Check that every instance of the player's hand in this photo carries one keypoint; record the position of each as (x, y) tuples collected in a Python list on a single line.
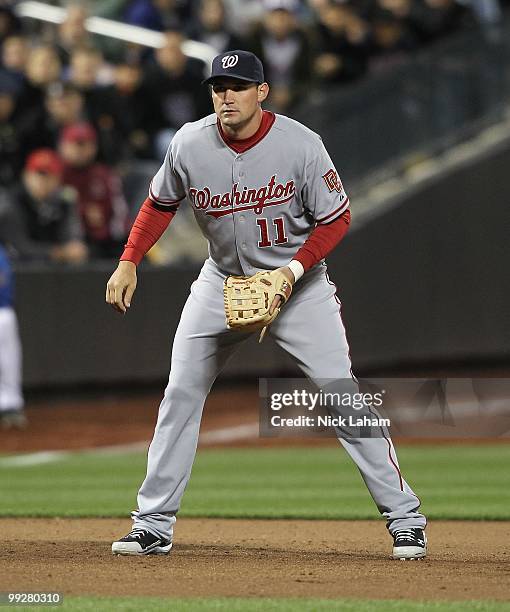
[(287, 272), (121, 286)]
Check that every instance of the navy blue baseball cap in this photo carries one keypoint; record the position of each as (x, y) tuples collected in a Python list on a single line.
[(237, 64)]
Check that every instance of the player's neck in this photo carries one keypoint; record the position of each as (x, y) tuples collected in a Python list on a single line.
[(246, 130)]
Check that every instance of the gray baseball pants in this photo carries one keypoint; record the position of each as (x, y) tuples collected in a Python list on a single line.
[(310, 329)]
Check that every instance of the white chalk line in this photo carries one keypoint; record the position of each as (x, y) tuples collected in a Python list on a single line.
[(230, 434), (215, 436), (27, 459)]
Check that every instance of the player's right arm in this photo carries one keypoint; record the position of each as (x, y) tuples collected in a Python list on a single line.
[(154, 216), (148, 227)]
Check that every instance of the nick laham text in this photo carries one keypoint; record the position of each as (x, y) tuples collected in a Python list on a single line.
[(329, 421)]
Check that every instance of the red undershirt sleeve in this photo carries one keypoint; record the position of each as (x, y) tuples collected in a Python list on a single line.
[(148, 227), (322, 240)]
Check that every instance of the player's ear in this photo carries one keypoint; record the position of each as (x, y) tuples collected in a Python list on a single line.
[(262, 92)]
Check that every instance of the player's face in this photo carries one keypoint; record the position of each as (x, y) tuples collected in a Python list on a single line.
[(236, 102)]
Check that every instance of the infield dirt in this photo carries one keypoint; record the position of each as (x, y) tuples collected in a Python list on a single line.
[(254, 558)]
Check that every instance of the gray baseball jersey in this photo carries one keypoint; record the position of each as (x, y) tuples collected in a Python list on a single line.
[(258, 207)]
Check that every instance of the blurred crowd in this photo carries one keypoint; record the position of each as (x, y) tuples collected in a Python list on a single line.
[(84, 120)]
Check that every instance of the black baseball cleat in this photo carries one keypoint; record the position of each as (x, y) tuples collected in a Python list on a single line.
[(409, 544), (141, 542)]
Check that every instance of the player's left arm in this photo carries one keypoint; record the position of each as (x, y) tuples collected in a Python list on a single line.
[(322, 240)]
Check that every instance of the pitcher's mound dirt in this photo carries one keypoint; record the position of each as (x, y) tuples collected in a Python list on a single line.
[(467, 560)]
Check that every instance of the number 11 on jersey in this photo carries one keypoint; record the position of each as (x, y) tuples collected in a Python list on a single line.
[(280, 237)]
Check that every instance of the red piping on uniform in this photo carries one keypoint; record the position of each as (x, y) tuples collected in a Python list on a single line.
[(345, 204), (391, 459), (349, 353)]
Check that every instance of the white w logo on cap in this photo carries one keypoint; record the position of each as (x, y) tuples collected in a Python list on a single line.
[(229, 61)]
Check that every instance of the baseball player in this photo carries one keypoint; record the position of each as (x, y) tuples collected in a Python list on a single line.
[(267, 196), (11, 397)]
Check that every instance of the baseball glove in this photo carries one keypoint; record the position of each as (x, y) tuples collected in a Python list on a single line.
[(249, 298)]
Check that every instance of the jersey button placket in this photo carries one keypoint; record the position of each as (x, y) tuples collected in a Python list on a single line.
[(238, 218)]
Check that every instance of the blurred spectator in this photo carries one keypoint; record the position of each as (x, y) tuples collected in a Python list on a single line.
[(16, 130), (72, 33), (15, 52), (174, 81), (342, 44), (392, 41), (439, 18), (317, 5), (152, 14), (403, 10), (64, 105), (38, 218), (133, 109), (284, 50), (488, 12), (143, 13), (86, 67), (11, 396), (243, 15), (101, 203), (43, 67), (211, 27)]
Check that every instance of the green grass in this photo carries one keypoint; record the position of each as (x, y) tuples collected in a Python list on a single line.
[(135, 604), (454, 482)]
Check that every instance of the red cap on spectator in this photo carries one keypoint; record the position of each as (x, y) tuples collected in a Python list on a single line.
[(79, 132), (44, 160)]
